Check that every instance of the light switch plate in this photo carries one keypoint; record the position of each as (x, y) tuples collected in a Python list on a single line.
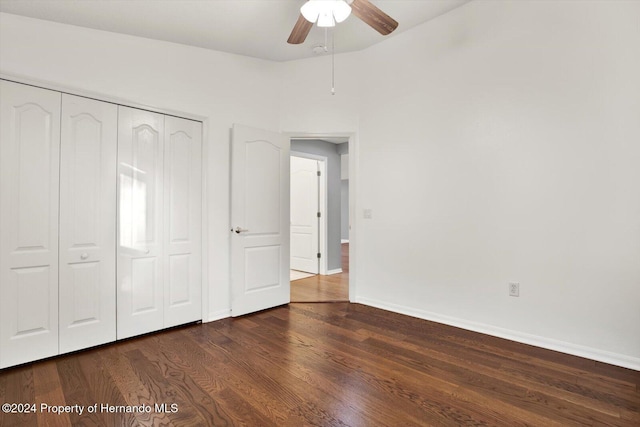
[(514, 289)]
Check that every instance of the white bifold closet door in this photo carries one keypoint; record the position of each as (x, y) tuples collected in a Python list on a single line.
[(140, 173), (159, 222), (87, 223), (182, 236), (29, 184)]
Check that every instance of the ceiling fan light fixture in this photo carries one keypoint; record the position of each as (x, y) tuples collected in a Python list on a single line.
[(325, 19), (325, 12), (341, 10)]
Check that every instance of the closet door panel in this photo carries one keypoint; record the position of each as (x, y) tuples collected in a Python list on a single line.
[(87, 223), (140, 203), (29, 184), (183, 211)]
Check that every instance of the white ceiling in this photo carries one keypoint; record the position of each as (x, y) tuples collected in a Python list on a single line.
[(257, 28)]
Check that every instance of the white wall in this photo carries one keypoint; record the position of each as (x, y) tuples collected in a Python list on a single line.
[(222, 88), (513, 129), (307, 105)]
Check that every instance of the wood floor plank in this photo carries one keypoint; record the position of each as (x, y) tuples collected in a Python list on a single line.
[(508, 372), (264, 341), (281, 383), (242, 382), (372, 373), (326, 364), (439, 405), (174, 374), (19, 389), (134, 392), (212, 369), (218, 357), (78, 391), (48, 390), (103, 388), (504, 367), (3, 398), (611, 411), (163, 391), (502, 352)]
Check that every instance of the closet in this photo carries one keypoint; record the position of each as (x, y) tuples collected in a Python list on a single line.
[(100, 222), (159, 217)]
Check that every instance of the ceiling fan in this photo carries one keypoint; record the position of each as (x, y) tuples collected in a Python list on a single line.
[(325, 13)]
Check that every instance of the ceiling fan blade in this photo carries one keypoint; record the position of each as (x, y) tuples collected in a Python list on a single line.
[(374, 17), (300, 31)]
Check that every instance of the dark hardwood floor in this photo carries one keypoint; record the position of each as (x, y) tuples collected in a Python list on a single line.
[(326, 365), (320, 288)]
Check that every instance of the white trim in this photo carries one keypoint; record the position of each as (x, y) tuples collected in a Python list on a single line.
[(334, 271), (535, 340), (342, 241), (323, 232), (205, 283), (354, 155), (204, 225)]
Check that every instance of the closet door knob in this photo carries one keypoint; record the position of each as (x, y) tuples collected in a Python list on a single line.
[(84, 256)]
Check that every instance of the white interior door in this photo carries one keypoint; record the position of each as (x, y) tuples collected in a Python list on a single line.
[(140, 294), (259, 220), (305, 211), (29, 186), (182, 221), (87, 223)]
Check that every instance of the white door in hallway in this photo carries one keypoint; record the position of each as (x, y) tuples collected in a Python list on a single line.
[(305, 208), (259, 220)]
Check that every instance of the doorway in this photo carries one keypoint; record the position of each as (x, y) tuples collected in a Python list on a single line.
[(317, 204)]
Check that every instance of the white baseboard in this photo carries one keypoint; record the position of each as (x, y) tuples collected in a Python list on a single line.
[(344, 240), (217, 315), (538, 341), (336, 271)]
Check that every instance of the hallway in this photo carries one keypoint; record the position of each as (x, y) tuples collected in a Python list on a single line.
[(320, 288)]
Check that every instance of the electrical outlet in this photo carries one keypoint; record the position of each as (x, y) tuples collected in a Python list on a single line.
[(514, 289), (367, 213)]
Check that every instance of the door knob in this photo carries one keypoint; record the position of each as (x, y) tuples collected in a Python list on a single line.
[(84, 256), (239, 230)]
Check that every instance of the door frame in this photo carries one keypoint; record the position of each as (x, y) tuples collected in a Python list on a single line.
[(322, 206), (352, 139)]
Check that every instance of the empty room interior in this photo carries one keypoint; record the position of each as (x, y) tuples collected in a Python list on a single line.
[(331, 213)]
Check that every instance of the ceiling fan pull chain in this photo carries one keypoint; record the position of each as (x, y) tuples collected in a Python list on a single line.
[(333, 61), (326, 37)]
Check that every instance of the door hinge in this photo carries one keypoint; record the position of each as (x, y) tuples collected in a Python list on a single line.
[(319, 214), (319, 255), (319, 173)]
